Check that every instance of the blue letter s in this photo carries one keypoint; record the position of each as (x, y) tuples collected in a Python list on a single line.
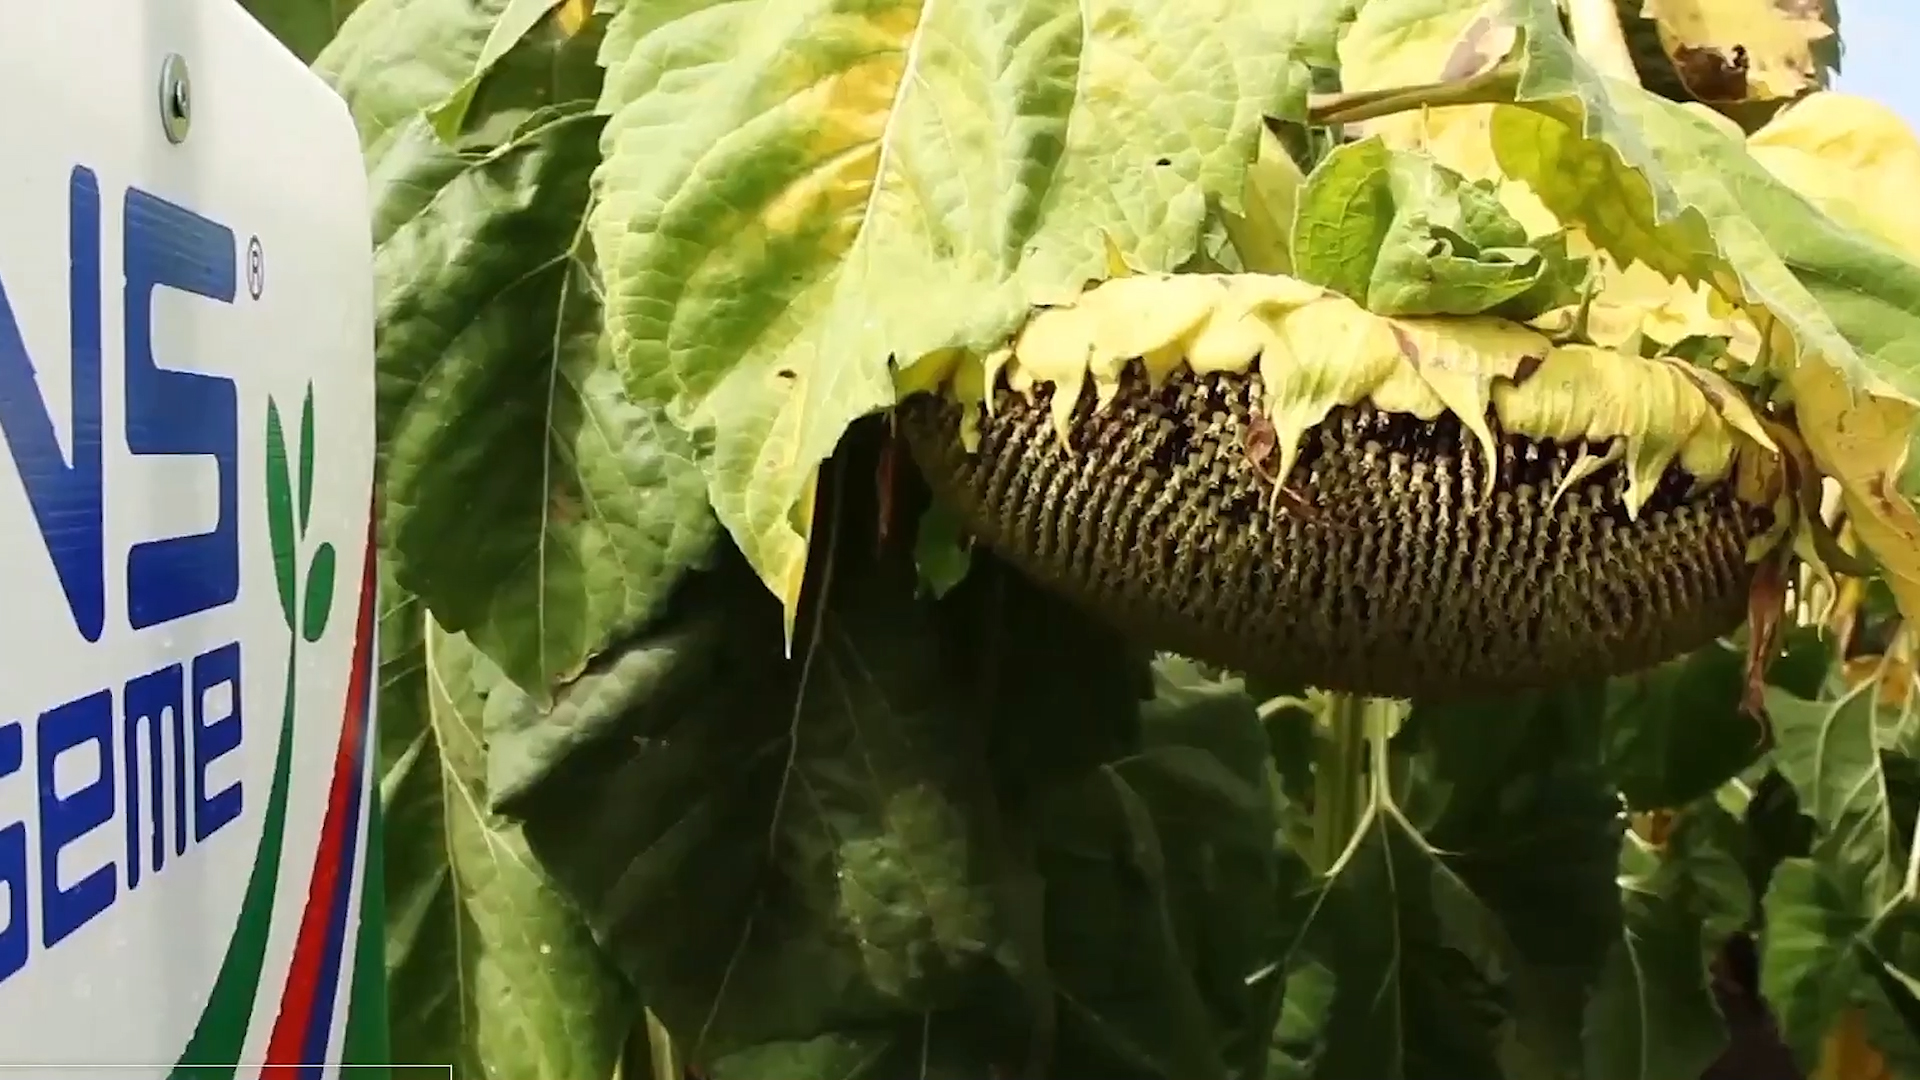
[(179, 412)]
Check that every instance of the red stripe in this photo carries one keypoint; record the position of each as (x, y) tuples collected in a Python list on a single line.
[(286, 1046)]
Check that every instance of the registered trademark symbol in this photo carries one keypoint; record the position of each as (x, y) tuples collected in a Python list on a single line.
[(256, 268)]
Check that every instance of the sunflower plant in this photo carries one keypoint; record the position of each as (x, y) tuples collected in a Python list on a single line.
[(1163, 539)]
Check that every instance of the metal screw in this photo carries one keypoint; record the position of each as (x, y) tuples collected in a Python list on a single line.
[(176, 98)]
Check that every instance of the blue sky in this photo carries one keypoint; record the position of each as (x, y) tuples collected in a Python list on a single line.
[(1881, 59)]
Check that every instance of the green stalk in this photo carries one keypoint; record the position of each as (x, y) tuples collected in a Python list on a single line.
[(648, 1053), (1382, 721), (1497, 85), (666, 1065), (1339, 764), (1594, 26), (1910, 887)]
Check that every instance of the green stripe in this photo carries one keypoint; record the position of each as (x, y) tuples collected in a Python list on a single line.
[(367, 1038), (214, 1051)]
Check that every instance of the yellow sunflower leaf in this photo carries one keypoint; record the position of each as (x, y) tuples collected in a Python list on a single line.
[(1860, 163), (1714, 42), (1846, 1053), (1452, 41), (1855, 158), (1862, 440)]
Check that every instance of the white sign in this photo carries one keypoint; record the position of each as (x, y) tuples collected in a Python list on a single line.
[(186, 417)]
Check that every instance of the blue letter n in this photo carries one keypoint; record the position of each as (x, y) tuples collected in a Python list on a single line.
[(64, 493)]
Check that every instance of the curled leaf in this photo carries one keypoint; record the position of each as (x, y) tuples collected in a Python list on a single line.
[(1418, 42), (1262, 230), (1404, 235)]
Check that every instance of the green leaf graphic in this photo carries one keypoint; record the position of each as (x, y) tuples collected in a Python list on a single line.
[(318, 603), (280, 511), (306, 460)]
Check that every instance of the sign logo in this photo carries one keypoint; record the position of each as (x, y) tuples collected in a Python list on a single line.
[(156, 734)]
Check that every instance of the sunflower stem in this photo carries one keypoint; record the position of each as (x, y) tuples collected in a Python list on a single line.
[(1497, 85), (665, 1062), (1594, 26), (1381, 723), (1339, 796), (1910, 886)]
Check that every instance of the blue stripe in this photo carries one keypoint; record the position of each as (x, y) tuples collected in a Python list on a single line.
[(320, 1022)]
